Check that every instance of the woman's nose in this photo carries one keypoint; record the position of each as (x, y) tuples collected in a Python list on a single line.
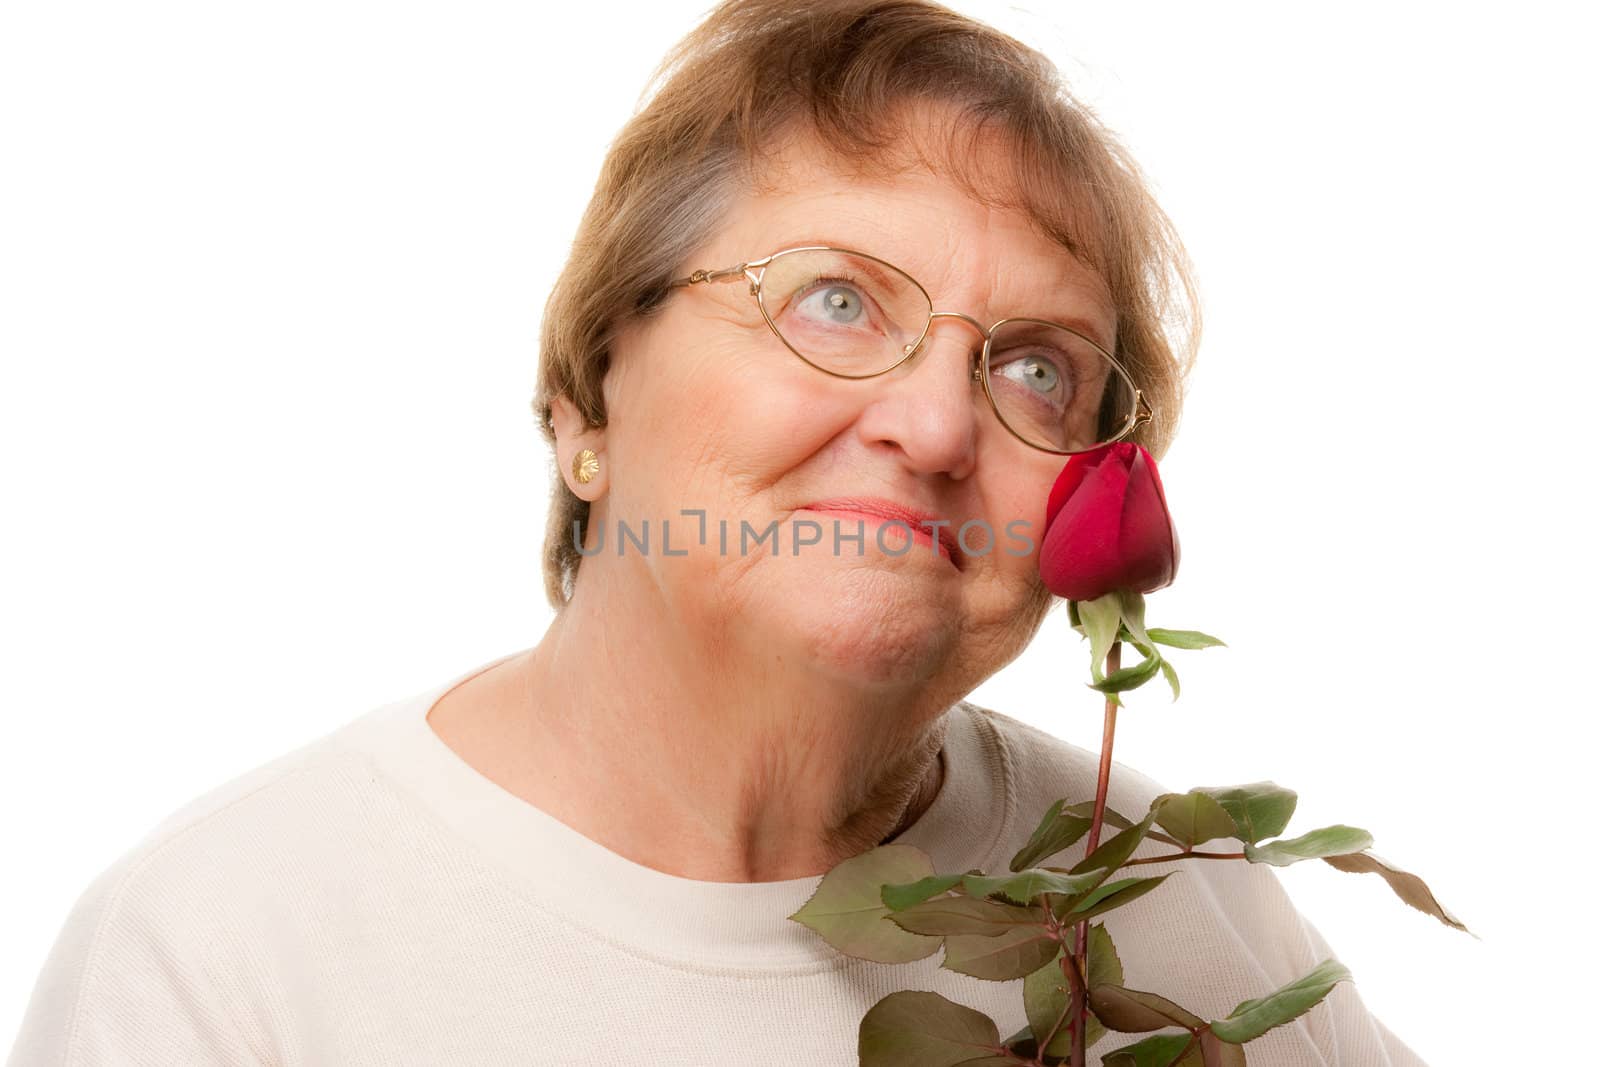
[(930, 405)]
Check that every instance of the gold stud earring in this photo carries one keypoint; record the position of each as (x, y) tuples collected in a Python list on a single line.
[(585, 465)]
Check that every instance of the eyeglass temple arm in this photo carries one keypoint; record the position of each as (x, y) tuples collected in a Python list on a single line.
[(710, 276)]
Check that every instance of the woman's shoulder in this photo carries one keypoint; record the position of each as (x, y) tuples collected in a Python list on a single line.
[(268, 783), (175, 907), (261, 832)]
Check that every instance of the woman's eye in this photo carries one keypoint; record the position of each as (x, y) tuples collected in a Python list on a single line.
[(1038, 373), (840, 304)]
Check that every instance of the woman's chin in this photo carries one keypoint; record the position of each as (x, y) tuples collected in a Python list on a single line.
[(875, 622)]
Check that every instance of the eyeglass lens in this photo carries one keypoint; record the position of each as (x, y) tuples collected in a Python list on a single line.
[(856, 316)]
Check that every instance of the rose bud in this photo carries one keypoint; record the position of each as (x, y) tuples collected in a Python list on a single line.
[(1107, 527)]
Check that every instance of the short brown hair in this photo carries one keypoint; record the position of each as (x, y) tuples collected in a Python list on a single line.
[(843, 71)]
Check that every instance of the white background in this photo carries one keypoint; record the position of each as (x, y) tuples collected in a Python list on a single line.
[(270, 283)]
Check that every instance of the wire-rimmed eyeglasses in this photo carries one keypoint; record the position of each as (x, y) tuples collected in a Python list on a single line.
[(853, 315)]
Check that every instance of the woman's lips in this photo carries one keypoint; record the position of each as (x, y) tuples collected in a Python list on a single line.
[(889, 511)]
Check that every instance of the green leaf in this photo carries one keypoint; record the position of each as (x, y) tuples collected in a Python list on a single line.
[(1252, 1018), (1133, 634), (847, 908), (1110, 896), (1126, 678), (1126, 637), (1045, 994), (1171, 675), (1133, 1011), (1022, 887), (1259, 809), (1159, 1050), (1133, 619), (1016, 953), (1318, 844), (902, 896), (1183, 638), (1193, 818), (1056, 831), (1407, 886), (1025, 1034), (1101, 619), (1109, 816), (964, 915), (1105, 966), (920, 1029), (1044, 998), (1115, 851), (1022, 1044)]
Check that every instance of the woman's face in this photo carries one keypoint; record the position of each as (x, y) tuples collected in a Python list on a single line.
[(708, 410)]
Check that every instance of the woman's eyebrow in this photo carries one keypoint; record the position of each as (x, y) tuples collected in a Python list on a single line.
[(870, 265), (1071, 303), (847, 246), (1063, 305), (1088, 327)]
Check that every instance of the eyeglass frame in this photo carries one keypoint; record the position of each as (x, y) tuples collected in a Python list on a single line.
[(745, 270)]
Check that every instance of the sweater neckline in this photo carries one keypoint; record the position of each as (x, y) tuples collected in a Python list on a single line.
[(679, 921)]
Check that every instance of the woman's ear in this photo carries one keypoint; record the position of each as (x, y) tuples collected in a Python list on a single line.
[(580, 450)]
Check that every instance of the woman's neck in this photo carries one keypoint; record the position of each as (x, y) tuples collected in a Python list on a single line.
[(723, 765)]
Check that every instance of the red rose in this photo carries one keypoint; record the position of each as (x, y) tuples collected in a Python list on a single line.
[(1107, 527)]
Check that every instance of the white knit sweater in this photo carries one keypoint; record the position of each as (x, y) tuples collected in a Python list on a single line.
[(370, 898)]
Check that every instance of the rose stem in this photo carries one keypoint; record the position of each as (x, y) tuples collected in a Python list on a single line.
[(1081, 941)]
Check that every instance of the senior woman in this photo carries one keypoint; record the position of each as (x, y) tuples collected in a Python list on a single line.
[(773, 321)]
